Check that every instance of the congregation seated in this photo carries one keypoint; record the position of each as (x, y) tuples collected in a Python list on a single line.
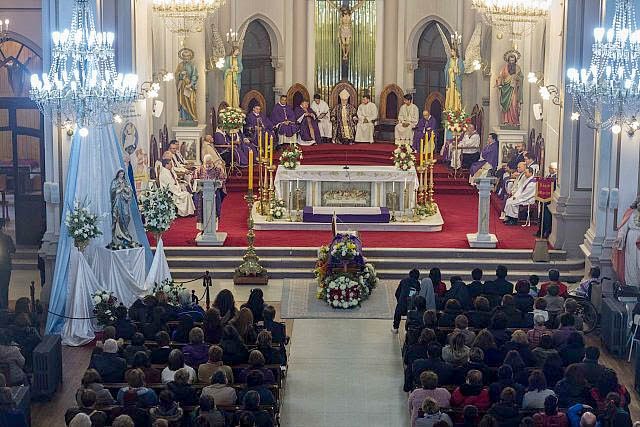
[(174, 363), (25, 336), (141, 362), (256, 304), (157, 324), (213, 365), (456, 352), (183, 391), (91, 380), (471, 392), (506, 379), (87, 405), (244, 324), (264, 343), (219, 389), (167, 409), (522, 299), (251, 406), (212, 326), (135, 392), (537, 391), (451, 310), (520, 344), (256, 382), (181, 333), (136, 345), (480, 316), (256, 363), (11, 356), (160, 354), (187, 307), (461, 325), (196, 352), (226, 305), (590, 366), (234, 349), (506, 411), (554, 279), (108, 363), (433, 415), (429, 389), (208, 414)]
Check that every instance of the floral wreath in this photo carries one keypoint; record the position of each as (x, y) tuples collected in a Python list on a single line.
[(456, 121)]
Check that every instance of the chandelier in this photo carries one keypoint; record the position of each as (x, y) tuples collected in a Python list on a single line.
[(611, 84), (185, 16), (83, 85), (518, 17)]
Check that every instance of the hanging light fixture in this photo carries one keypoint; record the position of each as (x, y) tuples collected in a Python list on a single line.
[(611, 84), (185, 16), (517, 17), (83, 86)]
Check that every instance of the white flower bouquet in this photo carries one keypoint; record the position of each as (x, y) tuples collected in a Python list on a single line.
[(403, 157), (426, 210), (343, 292), (456, 121), (344, 249), (104, 307), (231, 119), (82, 225), (278, 209), (170, 288), (158, 208), (291, 156)]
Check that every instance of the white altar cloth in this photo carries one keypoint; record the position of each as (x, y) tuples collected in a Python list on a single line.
[(121, 272), (377, 175), (159, 270)]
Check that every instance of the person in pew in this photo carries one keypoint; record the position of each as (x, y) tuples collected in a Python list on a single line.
[(476, 362), (522, 299), (212, 326), (167, 409), (234, 350), (226, 305), (452, 309), (214, 364), (416, 344), (196, 352), (545, 349), (506, 411), (79, 420), (278, 331), (461, 324), (264, 343), (555, 303), (415, 315), (456, 352), (124, 421), (141, 309), (480, 316), (614, 415), (124, 327), (484, 341), (434, 363), (430, 319), (207, 414), (183, 392), (590, 367), (498, 328), (470, 417), (520, 343), (175, 362), (136, 345), (243, 323), (157, 324), (189, 307), (141, 361), (540, 309), (429, 389), (553, 370), (181, 333), (91, 381), (520, 373), (26, 336), (256, 304), (251, 404), (554, 279), (255, 382), (256, 363), (160, 354), (567, 327), (476, 287), (427, 292), (537, 391), (170, 311), (514, 316), (459, 292), (573, 349), (608, 383), (439, 286), (472, 392), (87, 406), (144, 397), (246, 419), (433, 416), (219, 390), (505, 380), (407, 288), (539, 329), (109, 365), (573, 388), (571, 307), (500, 286)]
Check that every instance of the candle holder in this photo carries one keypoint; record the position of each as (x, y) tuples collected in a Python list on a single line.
[(431, 190), (271, 194), (394, 205), (422, 185), (298, 193), (250, 272), (259, 207), (290, 197), (405, 204), (264, 197)]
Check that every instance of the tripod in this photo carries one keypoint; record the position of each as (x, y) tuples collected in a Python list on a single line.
[(206, 282)]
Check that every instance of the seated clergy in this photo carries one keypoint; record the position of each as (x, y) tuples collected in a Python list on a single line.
[(426, 126), (530, 161), (408, 117), (321, 108), (525, 195), (367, 114), (468, 149), (182, 198), (180, 167), (488, 159), (210, 169), (241, 148), (283, 119), (222, 145), (307, 124), (257, 123), (208, 147), (344, 118)]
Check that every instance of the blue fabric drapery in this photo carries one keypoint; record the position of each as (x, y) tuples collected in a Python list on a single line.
[(93, 163)]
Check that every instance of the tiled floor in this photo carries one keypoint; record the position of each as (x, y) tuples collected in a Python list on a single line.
[(344, 373)]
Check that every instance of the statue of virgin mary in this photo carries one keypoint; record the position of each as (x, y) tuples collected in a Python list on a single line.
[(121, 195)]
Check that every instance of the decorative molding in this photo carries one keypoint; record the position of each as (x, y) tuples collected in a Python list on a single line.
[(297, 88), (433, 96), (412, 65), (277, 62)]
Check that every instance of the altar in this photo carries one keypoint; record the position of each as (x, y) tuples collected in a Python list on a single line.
[(355, 187)]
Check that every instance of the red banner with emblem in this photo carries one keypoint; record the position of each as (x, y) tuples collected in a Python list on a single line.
[(544, 189)]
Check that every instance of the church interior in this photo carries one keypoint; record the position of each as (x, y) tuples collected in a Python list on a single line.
[(318, 213)]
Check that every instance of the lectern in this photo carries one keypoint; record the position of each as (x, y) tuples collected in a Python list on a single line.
[(209, 236)]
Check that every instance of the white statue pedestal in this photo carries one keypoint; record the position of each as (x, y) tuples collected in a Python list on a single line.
[(209, 236), (508, 139), (190, 136), (483, 239)]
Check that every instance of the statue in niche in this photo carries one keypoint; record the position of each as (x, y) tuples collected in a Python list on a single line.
[(186, 76), (232, 72), (121, 194), (509, 83), (345, 30), (627, 245)]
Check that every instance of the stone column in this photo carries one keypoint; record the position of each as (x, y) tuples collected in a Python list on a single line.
[(483, 239), (299, 36), (390, 42)]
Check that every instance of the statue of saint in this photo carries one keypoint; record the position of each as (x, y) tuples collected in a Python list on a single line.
[(121, 195), (627, 255), (345, 30), (509, 83), (453, 79), (186, 76), (232, 72)]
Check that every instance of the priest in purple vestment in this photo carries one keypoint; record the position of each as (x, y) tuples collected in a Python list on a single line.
[(284, 121), (257, 122), (308, 124), (426, 126), (488, 159), (209, 170), (222, 145)]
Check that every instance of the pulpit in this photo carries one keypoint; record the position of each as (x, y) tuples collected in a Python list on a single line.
[(209, 236), (483, 239)]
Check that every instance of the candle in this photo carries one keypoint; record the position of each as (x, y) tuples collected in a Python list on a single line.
[(405, 184), (260, 154), (250, 169), (393, 186), (421, 151), (271, 151), (297, 183)]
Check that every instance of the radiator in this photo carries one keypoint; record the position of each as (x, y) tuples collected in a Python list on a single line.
[(613, 326), (47, 366)]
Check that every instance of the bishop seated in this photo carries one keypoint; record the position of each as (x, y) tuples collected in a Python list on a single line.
[(182, 198)]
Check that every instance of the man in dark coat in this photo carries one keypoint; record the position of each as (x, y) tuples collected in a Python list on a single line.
[(406, 289)]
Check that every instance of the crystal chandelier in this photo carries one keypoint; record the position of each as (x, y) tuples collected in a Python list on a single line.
[(611, 84), (83, 85), (518, 17), (185, 16)]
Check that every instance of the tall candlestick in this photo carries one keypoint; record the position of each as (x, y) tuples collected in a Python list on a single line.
[(260, 154), (250, 170), (271, 151), (421, 154)]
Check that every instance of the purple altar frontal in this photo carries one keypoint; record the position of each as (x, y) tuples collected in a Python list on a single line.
[(359, 216)]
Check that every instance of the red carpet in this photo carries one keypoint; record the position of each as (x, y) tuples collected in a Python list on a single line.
[(457, 200)]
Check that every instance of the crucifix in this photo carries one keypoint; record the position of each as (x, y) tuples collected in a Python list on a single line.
[(345, 30)]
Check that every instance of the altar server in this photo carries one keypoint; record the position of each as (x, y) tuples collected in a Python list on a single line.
[(283, 119), (367, 114), (524, 196), (426, 126), (321, 108), (182, 199), (344, 118), (307, 124), (468, 149), (407, 119)]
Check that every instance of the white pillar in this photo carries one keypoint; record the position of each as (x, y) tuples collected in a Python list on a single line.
[(390, 42), (311, 46), (483, 239), (380, 37)]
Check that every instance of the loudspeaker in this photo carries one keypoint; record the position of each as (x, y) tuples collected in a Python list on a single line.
[(537, 111), (158, 106)]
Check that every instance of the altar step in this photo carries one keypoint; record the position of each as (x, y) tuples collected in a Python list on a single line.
[(191, 262)]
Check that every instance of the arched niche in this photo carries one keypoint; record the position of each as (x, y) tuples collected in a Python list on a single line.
[(251, 99), (390, 102), (258, 72), (296, 94)]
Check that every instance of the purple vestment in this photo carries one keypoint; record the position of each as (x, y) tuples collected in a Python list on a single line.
[(424, 127), (254, 121), (281, 114), (308, 125), (489, 155), (214, 173)]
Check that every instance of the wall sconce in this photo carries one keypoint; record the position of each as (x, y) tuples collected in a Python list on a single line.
[(482, 66), (547, 92)]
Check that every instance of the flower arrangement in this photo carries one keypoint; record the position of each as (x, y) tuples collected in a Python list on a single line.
[(158, 208), (232, 119), (278, 209), (403, 157), (344, 278), (169, 288), (104, 307), (291, 156), (427, 209), (82, 225), (456, 121)]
